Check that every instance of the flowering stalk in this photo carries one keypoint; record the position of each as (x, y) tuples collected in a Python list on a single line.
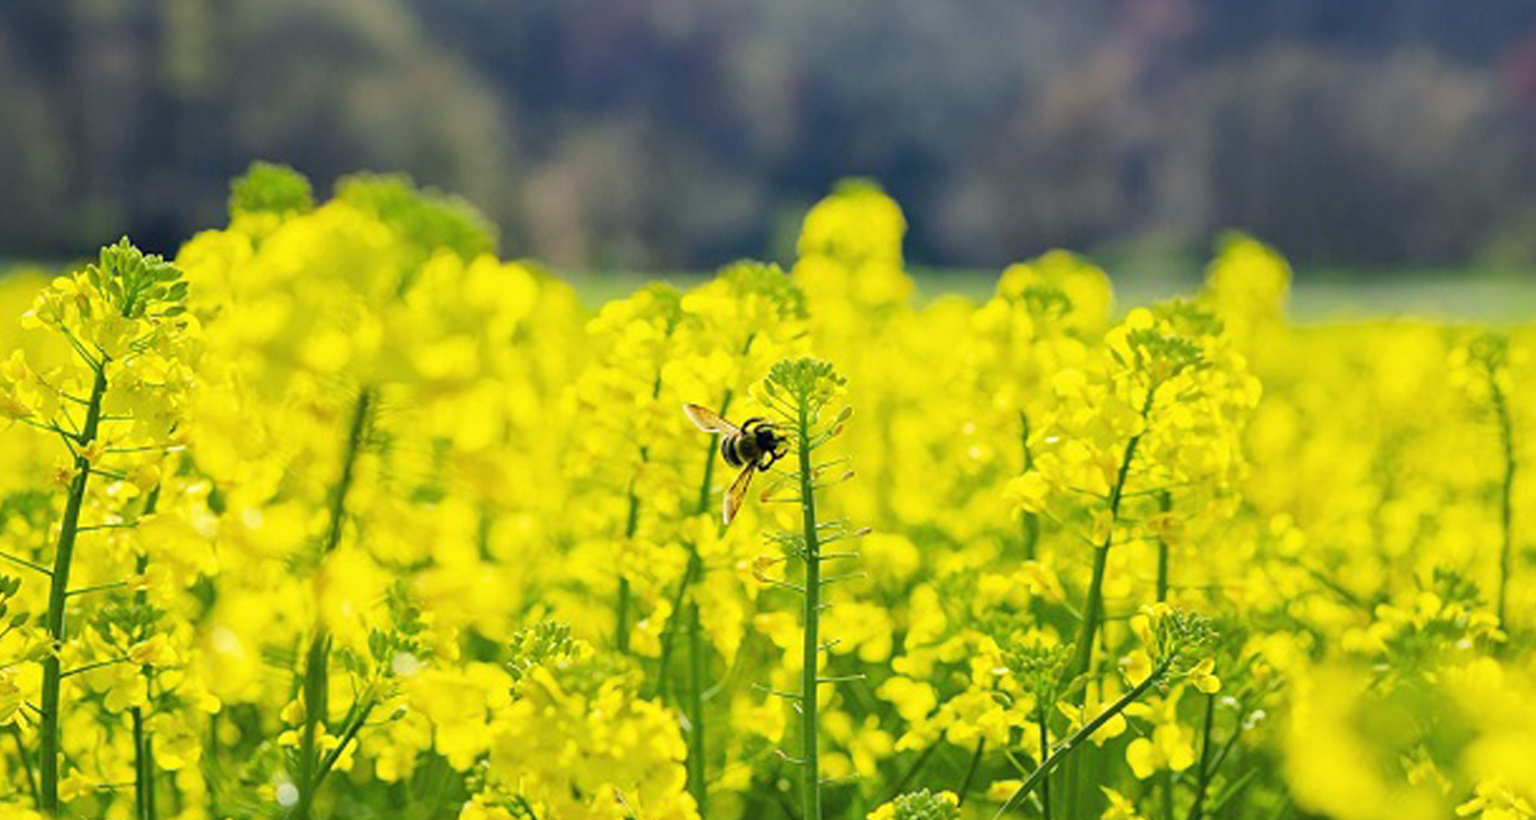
[(143, 745), (697, 784), (798, 390), (1164, 504), (810, 777), (125, 308), (316, 666), (631, 526), (1031, 520), (1488, 355), (1045, 743), (58, 595), (1087, 730), (970, 770), (693, 705), (1093, 611), (1506, 493), (1204, 772)]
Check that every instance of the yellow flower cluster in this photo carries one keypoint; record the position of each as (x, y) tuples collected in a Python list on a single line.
[(337, 514)]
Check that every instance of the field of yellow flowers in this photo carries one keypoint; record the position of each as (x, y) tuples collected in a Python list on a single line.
[(336, 515)]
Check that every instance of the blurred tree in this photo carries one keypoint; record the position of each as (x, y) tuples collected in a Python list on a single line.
[(683, 133)]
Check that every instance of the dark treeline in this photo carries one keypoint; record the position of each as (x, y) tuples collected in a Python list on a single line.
[(683, 133)]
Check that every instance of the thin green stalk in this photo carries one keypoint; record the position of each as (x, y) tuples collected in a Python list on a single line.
[(621, 623), (58, 595), (1093, 611), (26, 760), (316, 667), (1506, 496), (143, 748), (316, 689), (335, 524), (1236, 788), (1045, 785), (1164, 504), (810, 768), (697, 783), (347, 736), (151, 807), (1079, 736), (669, 632), (631, 526), (694, 567), (1203, 774), (213, 773), (1031, 521), (140, 794), (694, 706), (32, 565), (912, 771), (970, 771), (709, 455)]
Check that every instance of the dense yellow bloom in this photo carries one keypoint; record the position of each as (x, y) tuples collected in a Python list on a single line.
[(351, 438)]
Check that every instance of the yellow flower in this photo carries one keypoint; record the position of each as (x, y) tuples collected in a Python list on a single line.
[(154, 651), (10, 697), (1203, 676), (1092, 707), (1119, 807)]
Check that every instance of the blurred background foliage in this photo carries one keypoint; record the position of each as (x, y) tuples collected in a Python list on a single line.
[(680, 134)]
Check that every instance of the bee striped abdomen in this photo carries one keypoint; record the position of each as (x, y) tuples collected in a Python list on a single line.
[(728, 451)]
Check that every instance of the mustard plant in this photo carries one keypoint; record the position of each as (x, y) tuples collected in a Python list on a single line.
[(1150, 357), (1178, 643), (920, 805), (124, 319), (799, 392), (314, 763), (1488, 357)]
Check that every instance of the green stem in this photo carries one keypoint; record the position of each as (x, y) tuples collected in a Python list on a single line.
[(151, 807), (1079, 736), (1093, 612), (631, 526), (143, 744), (912, 771), (1506, 496), (809, 766), (709, 456), (140, 794), (1164, 504), (316, 689), (970, 771), (1203, 774), (697, 783), (26, 760), (621, 623), (316, 666), (58, 595), (347, 736), (695, 567), (335, 524), (1031, 521), (25, 563), (1045, 785), (669, 632)]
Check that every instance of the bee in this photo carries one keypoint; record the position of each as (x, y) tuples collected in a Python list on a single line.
[(753, 446)]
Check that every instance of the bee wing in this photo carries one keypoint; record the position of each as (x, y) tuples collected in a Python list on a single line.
[(737, 493), (708, 420)]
